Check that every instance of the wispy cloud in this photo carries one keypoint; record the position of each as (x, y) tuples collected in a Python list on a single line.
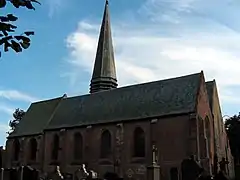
[(4, 128), (55, 6), (6, 109), (171, 10), (17, 96), (188, 41)]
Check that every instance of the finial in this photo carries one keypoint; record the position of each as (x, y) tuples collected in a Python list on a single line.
[(106, 2)]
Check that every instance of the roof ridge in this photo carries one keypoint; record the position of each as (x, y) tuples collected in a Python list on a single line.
[(47, 100), (140, 84)]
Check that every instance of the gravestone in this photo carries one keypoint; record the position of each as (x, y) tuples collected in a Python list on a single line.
[(174, 173), (29, 173), (13, 174), (85, 173), (68, 176), (57, 175), (43, 176), (2, 174), (221, 176), (110, 176), (78, 174), (6, 173), (223, 165), (190, 169)]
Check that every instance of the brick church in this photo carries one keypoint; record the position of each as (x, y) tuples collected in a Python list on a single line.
[(114, 129)]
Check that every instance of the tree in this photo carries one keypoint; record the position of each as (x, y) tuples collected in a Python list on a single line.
[(7, 39), (232, 126), (17, 115)]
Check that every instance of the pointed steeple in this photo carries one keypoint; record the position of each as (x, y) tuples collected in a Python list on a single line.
[(104, 73)]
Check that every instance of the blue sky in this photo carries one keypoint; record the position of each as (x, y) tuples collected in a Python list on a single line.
[(153, 39)]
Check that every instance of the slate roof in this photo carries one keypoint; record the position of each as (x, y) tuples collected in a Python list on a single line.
[(165, 97), (159, 98), (36, 118), (210, 88)]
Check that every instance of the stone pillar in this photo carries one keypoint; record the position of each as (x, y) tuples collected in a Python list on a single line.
[(153, 172), (118, 150), (88, 151), (62, 150), (23, 155)]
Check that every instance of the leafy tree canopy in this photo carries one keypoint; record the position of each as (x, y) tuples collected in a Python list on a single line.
[(232, 126), (7, 28), (17, 115)]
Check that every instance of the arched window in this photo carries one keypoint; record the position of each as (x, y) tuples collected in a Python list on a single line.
[(139, 143), (55, 147), (106, 144), (207, 127), (16, 149), (77, 146), (33, 149)]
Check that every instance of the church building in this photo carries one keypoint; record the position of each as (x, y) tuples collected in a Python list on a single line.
[(114, 129)]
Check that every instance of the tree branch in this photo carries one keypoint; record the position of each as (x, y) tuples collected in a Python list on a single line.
[(17, 43)]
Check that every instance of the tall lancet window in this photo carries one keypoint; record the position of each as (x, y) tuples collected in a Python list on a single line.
[(33, 149), (16, 149), (139, 142), (55, 147), (106, 144), (77, 146)]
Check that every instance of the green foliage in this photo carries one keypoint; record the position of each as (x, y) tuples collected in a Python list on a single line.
[(232, 126), (7, 40), (17, 115)]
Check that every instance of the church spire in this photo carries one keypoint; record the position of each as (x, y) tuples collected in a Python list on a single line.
[(104, 73)]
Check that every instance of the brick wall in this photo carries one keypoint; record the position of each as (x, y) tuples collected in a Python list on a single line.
[(205, 115)]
